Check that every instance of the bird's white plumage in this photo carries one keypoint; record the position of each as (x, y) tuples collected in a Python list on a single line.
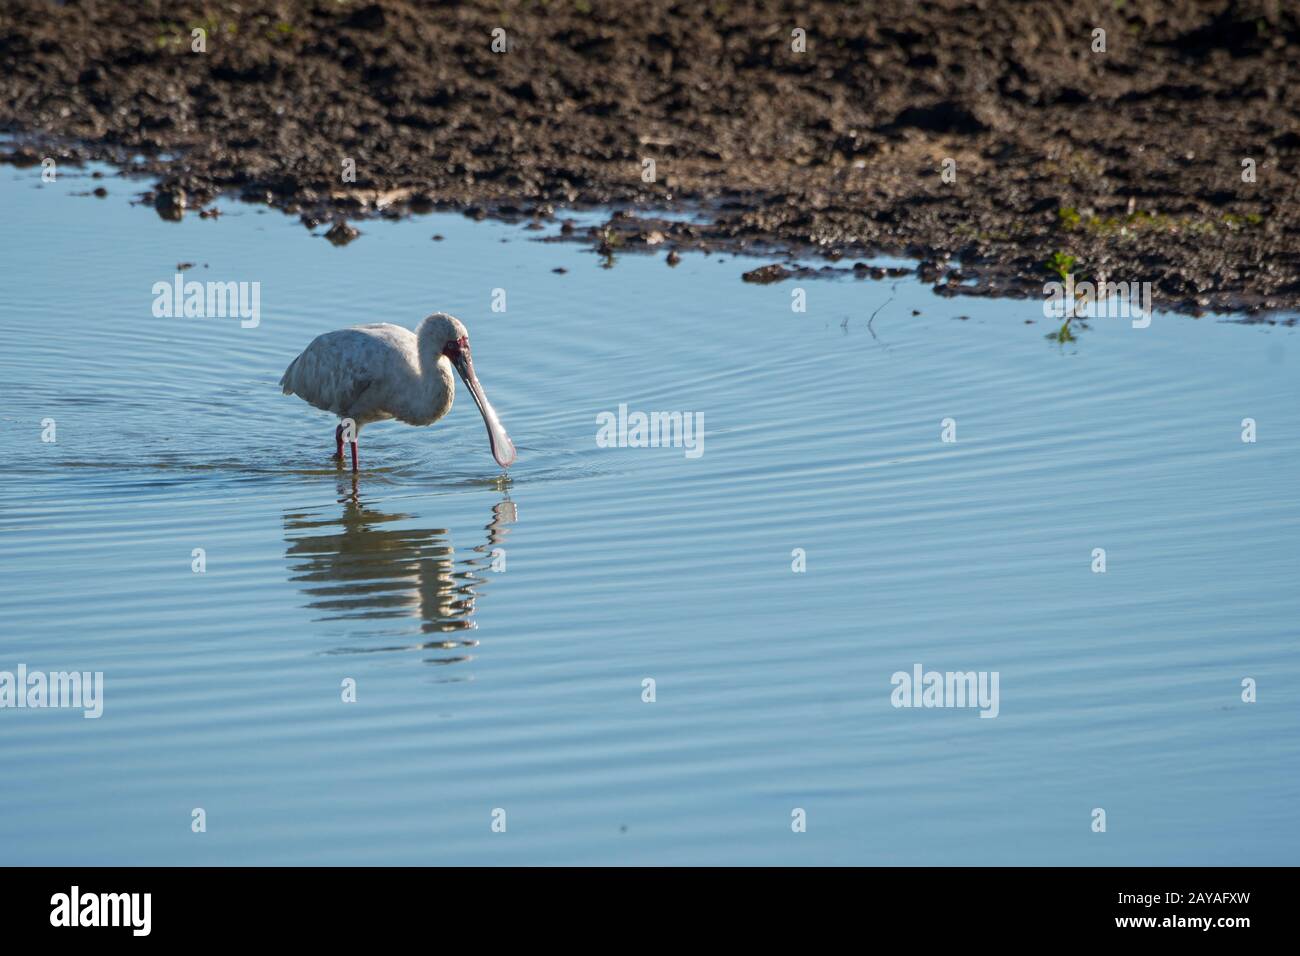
[(369, 373)]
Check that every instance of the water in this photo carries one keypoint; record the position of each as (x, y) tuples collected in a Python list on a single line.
[(479, 689)]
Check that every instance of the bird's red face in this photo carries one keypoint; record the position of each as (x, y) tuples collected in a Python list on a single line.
[(453, 348), (503, 449)]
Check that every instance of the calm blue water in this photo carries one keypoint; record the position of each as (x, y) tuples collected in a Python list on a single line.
[(521, 689)]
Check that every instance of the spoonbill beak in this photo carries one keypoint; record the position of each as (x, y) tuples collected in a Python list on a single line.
[(503, 449)]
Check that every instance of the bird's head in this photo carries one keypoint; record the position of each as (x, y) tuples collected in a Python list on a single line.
[(445, 336)]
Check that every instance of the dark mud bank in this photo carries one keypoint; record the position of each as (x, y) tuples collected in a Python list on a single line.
[(1171, 157)]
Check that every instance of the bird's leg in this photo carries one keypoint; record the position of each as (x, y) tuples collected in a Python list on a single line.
[(354, 454), (338, 443)]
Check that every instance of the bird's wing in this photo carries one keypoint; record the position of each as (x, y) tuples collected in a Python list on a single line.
[(350, 403), (337, 368)]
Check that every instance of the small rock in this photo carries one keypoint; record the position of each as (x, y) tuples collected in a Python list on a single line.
[(170, 204), (928, 270), (765, 274), (673, 258), (341, 233)]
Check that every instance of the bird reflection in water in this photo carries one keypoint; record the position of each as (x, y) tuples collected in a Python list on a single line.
[(365, 565)]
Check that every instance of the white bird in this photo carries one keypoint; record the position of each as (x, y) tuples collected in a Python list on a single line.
[(370, 373)]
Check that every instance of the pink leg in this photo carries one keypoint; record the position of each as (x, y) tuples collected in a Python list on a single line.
[(338, 443), (354, 454)]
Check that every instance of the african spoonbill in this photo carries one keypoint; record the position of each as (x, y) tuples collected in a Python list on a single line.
[(371, 373)]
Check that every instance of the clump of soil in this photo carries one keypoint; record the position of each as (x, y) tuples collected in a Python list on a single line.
[(814, 126), (340, 234)]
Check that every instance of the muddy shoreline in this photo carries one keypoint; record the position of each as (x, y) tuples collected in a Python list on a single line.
[(1172, 157)]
